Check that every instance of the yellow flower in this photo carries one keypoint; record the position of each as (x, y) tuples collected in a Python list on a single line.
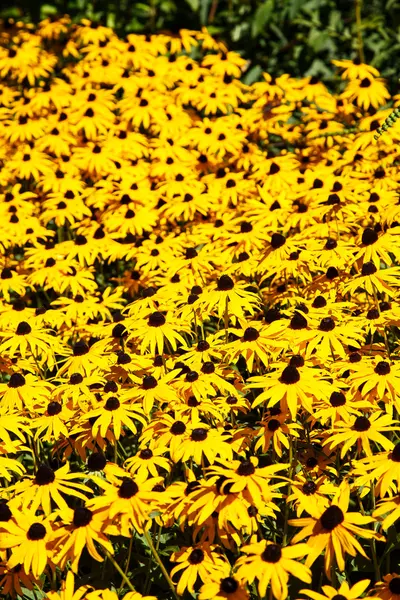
[(332, 529), (272, 564), (28, 536)]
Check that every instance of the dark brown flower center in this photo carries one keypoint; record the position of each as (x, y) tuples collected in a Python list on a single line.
[(37, 531), (5, 512), (75, 379), (395, 454), (382, 368), (296, 361), (96, 461), (128, 489), (199, 434), (23, 328), (228, 585), (16, 380), (225, 283), (203, 346), (192, 376), (331, 518), (196, 556), (290, 375), (330, 244), (111, 387), (250, 335), (337, 399), (298, 321), (309, 488), (361, 424), (82, 516), (273, 425), (319, 302), (369, 237), (156, 319), (54, 408), (394, 585), (178, 428), (277, 240), (331, 273), (112, 403), (146, 454), (208, 368), (368, 268), (246, 468), (44, 475), (372, 314), (149, 382), (327, 324), (272, 553), (80, 348)]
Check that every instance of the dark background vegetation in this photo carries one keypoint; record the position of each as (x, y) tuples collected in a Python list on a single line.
[(293, 36)]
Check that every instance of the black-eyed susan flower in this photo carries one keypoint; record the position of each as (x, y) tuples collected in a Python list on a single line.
[(332, 529), (79, 528), (388, 588), (128, 501), (47, 485), (27, 535), (203, 561), (272, 564), (350, 593), (223, 589), (382, 468)]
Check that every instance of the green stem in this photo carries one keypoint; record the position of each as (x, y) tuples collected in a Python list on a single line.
[(213, 10), (120, 571), (371, 541), (287, 508), (128, 560), (160, 564), (384, 329), (359, 30), (333, 573), (226, 319)]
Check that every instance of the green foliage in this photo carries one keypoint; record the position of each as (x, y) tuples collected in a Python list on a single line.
[(300, 37)]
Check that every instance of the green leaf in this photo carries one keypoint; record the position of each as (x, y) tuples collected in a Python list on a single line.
[(261, 18), (294, 8), (204, 11), (36, 594), (46, 10), (252, 75), (194, 4)]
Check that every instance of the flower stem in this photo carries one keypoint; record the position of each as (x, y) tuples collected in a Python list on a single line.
[(372, 542), (285, 525), (384, 328), (160, 564), (226, 319), (128, 560), (120, 571), (359, 30)]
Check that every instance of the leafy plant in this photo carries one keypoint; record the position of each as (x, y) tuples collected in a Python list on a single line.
[(294, 36)]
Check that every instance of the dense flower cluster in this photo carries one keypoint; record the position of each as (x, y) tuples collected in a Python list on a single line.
[(200, 375)]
